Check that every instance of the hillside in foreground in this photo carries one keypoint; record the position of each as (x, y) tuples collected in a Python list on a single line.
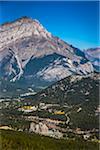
[(13, 140), (67, 109)]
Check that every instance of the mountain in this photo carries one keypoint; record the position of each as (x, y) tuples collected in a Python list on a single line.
[(93, 55), (77, 96), (30, 56), (71, 90)]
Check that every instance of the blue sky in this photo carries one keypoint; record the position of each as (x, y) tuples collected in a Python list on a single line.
[(75, 22)]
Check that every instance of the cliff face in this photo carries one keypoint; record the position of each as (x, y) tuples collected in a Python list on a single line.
[(28, 52), (21, 28), (93, 55)]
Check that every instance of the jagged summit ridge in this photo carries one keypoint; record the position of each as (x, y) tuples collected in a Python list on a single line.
[(23, 27), (23, 19)]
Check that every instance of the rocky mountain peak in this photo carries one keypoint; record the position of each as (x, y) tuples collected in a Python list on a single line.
[(21, 28), (33, 57)]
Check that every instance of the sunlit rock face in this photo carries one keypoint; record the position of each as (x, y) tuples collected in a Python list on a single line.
[(93, 55), (32, 55)]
